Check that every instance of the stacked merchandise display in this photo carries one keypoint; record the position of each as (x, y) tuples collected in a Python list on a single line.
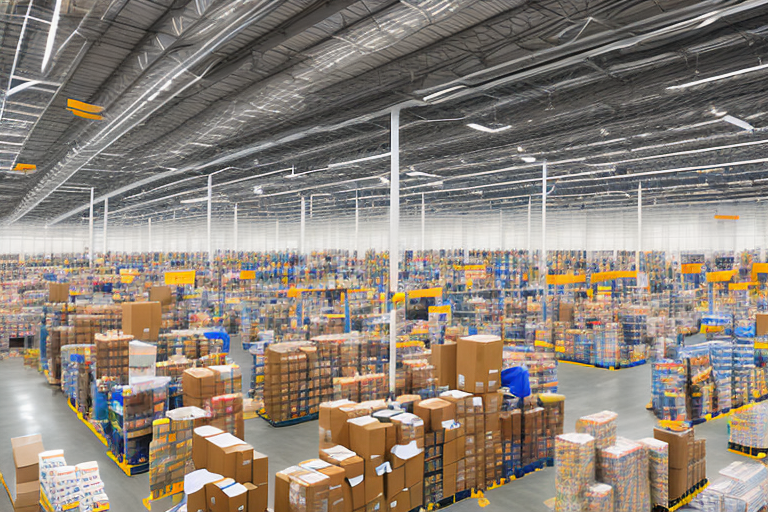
[(230, 475), (217, 390), (748, 429), (668, 389), (112, 355), (542, 368), (739, 486), (574, 471)]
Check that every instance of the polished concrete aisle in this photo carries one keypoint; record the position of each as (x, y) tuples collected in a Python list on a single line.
[(28, 405)]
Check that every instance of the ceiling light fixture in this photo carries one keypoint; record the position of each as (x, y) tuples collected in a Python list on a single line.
[(51, 35), (718, 77), (486, 129), (358, 160), (735, 121), (445, 91), (528, 159), (258, 190), (420, 174), (384, 180), (196, 200)]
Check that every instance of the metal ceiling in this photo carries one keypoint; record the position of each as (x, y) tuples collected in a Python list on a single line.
[(278, 95)]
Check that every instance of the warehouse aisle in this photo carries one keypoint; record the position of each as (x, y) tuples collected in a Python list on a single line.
[(35, 407)]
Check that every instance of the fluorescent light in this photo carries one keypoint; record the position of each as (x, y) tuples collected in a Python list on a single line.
[(718, 77), (528, 159), (258, 190), (419, 174), (445, 91), (196, 200), (384, 180), (365, 159), (51, 35), (485, 129), (738, 122)]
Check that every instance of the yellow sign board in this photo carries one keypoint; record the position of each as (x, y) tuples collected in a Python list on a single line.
[(180, 277), (427, 292), (759, 268), (247, 274), (726, 217), (558, 279), (129, 272), (599, 277), (721, 276), (740, 286), (692, 268), (446, 310), (127, 278)]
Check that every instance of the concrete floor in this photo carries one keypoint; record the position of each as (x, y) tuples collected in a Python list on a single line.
[(28, 405)]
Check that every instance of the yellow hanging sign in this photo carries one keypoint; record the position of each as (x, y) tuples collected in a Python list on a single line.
[(721, 276), (427, 292), (691, 268), (559, 279), (599, 277), (247, 275), (127, 278), (740, 286), (759, 268), (180, 277)]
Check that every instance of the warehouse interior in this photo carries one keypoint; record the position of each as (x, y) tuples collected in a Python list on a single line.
[(492, 253)]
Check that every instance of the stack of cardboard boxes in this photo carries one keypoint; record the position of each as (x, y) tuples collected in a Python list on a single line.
[(291, 381), (25, 452), (142, 320), (216, 390), (240, 474), (112, 355), (687, 460), (381, 452)]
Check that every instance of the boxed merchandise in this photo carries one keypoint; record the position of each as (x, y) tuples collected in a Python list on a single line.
[(658, 470), (199, 383), (434, 412), (142, 320), (25, 457), (411, 457), (408, 427), (332, 422), (625, 468), (194, 488), (444, 361), (574, 470), (113, 355), (226, 496), (367, 437), (598, 497), (58, 292), (479, 361), (161, 294), (260, 468), (200, 437), (258, 497)]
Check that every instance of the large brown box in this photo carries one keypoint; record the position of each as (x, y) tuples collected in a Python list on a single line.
[(678, 483), (332, 420), (374, 482), (434, 412), (224, 455), (161, 294), (354, 495), (444, 361), (368, 437), (394, 483), (200, 444), (566, 312), (449, 479), (25, 451), (417, 495), (27, 495), (260, 469), (678, 446), (478, 364), (220, 501), (142, 320), (199, 383), (454, 450), (58, 292), (761, 324), (283, 488), (258, 497)]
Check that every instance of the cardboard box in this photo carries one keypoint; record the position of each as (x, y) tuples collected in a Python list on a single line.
[(414, 470), (449, 480), (461, 400), (453, 451), (434, 411), (260, 469), (375, 469), (226, 496), (354, 494), (566, 312), (396, 503), (444, 361), (197, 501), (161, 294), (678, 447), (492, 423), (27, 495), (761, 324), (199, 382), (479, 361), (58, 292), (417, 494), (258, 497), (408, 427), (678, 483), (200, 444), (223, 452), (491, 402), (332, 420), (283, 489), (142, 320), (376, 505), (367, 437), (25, 451), (394, 483)]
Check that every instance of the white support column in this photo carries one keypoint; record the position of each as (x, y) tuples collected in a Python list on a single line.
[(234, 230), (357, 228), (149, 235), (104, 234), (423, 225), (277, 234), (501, 230), (639, 229), (302, 226), (543, 255), (530, 256), (210, 196), (90, 232), (394, 236)]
